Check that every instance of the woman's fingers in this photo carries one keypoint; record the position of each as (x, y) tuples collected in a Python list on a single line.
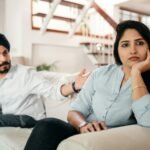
[(103, 125), (93, 126), (96, 126)]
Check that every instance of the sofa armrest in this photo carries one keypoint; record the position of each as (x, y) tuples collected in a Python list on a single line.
[(131, 137)]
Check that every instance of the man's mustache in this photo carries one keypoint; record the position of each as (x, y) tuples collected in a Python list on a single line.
[(5, 63)]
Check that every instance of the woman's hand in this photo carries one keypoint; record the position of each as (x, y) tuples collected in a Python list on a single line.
[(93, 126), (143, 65)]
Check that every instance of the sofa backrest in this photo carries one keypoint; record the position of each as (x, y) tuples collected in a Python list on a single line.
[(55, 108)]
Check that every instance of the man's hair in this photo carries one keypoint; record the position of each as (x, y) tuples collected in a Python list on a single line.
[(141, 28), (4, 42)]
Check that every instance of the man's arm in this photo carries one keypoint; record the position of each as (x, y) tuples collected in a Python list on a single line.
[(71, 88)]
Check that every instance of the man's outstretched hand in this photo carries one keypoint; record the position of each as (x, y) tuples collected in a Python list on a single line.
[(81, 78)]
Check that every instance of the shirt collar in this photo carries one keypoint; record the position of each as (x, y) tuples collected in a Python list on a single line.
[(11, 72), (117, 80)]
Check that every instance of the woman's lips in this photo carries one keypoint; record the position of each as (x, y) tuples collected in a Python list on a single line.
[(133, 58)]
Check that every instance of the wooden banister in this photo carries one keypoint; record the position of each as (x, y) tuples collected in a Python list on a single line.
[(104, 15)]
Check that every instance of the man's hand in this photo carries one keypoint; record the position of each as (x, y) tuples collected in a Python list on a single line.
[(67, 89), (143, 65), (81, 78), (93, 127)]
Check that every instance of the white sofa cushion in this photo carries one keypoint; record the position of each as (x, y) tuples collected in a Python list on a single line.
[(131, 137), (56, 108), (13, 138)]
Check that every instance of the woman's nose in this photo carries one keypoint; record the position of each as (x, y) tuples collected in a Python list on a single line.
[(133, 49)]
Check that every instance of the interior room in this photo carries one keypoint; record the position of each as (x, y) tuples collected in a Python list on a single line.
[(41, 33), (59, 38)]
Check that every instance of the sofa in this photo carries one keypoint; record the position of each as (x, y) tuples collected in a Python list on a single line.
[(12, 138), (131, 137)]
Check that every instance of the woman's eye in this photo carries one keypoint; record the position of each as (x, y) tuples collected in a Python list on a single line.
[(124, 45), (140, 43)]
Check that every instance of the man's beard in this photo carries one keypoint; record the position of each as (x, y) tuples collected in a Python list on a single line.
[(5, 67)]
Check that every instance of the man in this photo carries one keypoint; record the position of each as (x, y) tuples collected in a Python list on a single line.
[(21, 89)]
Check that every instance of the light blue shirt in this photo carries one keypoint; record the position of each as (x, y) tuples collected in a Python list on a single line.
[(22, 89), (102, 99)]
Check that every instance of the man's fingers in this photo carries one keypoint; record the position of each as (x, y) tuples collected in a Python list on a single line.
[(86, 75), (82, 72)]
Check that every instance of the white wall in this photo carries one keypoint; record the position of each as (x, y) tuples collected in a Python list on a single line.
[(13, 25), (68, 59), (2, 14), (23, 39)]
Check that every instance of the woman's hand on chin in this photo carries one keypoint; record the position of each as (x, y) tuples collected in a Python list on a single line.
[(142, 66)]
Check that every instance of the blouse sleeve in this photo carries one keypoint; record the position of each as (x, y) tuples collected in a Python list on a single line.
[(141, 109), (83, 102)]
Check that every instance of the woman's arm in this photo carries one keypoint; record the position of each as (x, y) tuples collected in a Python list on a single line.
[(82, 106), (140, 93), (78, 121), (139, 88)]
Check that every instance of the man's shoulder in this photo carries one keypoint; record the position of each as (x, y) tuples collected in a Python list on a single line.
[(19, 68), (23, 67)]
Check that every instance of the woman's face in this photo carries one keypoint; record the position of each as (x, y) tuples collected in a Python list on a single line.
[(132, 48)]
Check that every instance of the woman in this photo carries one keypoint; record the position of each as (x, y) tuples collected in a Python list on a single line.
[(117, 95), (114, 95)]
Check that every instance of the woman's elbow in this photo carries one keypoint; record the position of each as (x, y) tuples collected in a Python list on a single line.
[(69, 116), (144, 122)]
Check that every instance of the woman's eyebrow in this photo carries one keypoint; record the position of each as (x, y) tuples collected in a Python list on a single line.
[(124, 41), (139, 39)]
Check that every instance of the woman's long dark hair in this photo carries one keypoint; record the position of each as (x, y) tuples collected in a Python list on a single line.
[(143, 30)]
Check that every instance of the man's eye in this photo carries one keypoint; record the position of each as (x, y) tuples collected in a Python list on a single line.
[(125, 45), (5, 53)]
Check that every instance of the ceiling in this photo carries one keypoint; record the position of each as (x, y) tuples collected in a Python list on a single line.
[(140, 6), (68, 14)]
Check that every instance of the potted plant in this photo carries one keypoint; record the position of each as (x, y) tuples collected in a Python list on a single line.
[(47, 67)]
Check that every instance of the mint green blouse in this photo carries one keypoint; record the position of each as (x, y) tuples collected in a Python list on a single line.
[(102, 99)]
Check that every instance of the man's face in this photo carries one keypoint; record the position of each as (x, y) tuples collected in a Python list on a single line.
[(5, 62)]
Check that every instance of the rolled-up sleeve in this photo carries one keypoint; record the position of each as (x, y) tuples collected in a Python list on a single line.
[(141, 109), (41, 86)]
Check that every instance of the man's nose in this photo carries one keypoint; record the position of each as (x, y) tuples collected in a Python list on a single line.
[(2, 58)]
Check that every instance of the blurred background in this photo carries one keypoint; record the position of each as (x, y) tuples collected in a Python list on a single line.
[(66, 35)]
